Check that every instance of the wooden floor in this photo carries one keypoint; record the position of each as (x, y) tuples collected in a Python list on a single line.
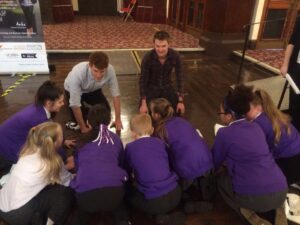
[(207, 80)]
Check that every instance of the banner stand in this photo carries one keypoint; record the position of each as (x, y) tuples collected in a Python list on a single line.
[(22, 46)]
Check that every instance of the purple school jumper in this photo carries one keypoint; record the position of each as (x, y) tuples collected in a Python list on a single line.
[(189, 154), (13, 131), (147, 158), (289, 144), (243, 148), (99, 166)]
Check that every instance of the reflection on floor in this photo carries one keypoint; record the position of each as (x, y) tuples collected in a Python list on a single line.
[(207, 80)]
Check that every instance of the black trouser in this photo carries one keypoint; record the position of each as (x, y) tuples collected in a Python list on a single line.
[(290, 168), (91, 98), (167, 92), (108, 199), (155, 206), (200, 188), (5, 166), (257, 203), (29, 16), (53, 202), (294, 104)]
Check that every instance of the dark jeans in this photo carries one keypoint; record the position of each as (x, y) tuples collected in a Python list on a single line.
[(108, 199), (53, 202), (257, 203), (92, 98), (290, 168), (164, 92), (155, 206)]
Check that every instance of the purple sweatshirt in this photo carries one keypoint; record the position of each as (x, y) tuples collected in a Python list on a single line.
[(251, 166), (14, 131), (99, 166), (147, 158), (189, 154), (288, 145)]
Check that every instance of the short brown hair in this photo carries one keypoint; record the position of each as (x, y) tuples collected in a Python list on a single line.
[(99, 60), (161, 35), (141, 124)]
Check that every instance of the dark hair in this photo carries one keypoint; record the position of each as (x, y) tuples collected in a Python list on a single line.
[(99, 60), (238, 100), (161, 35), (164, 109), (48, 91), (98, 114)]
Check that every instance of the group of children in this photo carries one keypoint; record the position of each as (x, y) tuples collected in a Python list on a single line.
[(255, 157)]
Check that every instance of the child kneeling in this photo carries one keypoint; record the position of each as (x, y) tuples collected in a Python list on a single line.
[(157, 191)]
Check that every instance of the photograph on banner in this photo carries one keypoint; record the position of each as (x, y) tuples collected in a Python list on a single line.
[(20, 21)]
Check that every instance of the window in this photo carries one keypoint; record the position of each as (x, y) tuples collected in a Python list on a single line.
[(274, 28)]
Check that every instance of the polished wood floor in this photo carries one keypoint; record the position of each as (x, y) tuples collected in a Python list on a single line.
[(207, 80)]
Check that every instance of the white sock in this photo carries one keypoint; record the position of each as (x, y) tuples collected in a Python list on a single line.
[(50, 222)]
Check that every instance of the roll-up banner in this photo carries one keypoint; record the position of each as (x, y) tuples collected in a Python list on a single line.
[(22, 47)]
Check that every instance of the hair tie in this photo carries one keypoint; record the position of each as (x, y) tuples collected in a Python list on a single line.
[(103, 135)]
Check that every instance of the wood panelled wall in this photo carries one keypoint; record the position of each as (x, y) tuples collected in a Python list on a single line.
[(227, 16), (46, 11), (97, 7)]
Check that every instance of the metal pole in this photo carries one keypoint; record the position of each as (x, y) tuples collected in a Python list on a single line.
[(282, 94), (247, 30)]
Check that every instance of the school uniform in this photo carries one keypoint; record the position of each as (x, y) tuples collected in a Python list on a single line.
[(27, 193), (157, 190), (253, 179), (14, 131), (287, 151), (189, 154), (100, 178)]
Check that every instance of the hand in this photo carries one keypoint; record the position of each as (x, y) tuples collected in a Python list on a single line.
[(283, 70), (180, 108), (117, 124), (70, 163), (143, 107), (70, 143), (86, 128)]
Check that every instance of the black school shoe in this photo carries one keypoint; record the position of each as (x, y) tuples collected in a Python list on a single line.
[(174, 218), (197, 206)]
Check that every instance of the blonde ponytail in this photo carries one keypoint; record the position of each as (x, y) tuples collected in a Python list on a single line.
[(43, 139), (277, 118)]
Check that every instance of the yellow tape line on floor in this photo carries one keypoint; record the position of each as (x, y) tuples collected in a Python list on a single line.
[(136, 59), (23, 77)]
